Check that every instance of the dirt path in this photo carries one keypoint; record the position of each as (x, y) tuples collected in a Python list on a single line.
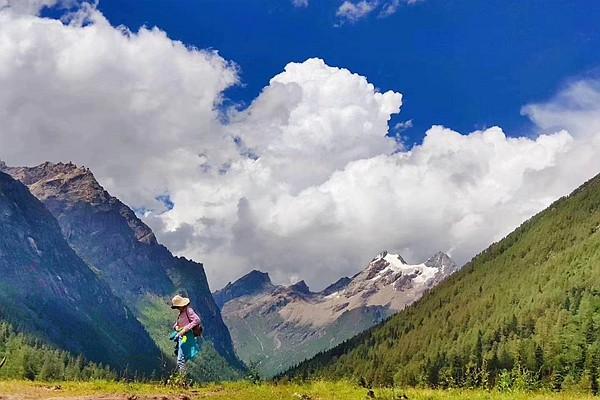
[(42, 396), (42, 393)]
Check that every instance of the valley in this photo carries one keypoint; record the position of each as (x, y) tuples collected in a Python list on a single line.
[(275, 327), (299, 200)]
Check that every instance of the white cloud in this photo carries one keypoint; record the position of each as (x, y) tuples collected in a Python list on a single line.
[(315, 112), (390, 8), (402, 126), (137, 107), (352, 12), (300, 3), (302, 210), (310, 187), (32, 7)]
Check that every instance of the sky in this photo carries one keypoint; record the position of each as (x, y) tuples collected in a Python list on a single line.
[(302, 137), (464, 64)]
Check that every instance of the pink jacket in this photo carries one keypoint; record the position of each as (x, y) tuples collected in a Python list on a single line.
[(186, 320)]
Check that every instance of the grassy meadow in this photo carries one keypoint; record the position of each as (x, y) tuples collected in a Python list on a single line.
[(14, 389)]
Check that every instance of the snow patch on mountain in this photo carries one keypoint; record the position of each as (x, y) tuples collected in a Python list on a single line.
[(388, 281), (305, 322)]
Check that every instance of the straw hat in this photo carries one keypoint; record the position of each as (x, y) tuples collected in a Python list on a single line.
[(179, 301)]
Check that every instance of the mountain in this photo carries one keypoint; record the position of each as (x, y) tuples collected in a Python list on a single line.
[(277, 326), (336, 286), (125, 254), (525, 313), (48, 292), (252, 283)]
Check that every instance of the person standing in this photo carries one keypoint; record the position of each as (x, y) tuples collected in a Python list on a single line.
[(187, 327)]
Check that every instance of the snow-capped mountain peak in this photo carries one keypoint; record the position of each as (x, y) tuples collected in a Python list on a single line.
[(286, 316), (443, 262)]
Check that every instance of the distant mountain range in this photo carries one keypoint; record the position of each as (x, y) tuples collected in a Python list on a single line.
[(523, 314), (115, 252), (278, 326)]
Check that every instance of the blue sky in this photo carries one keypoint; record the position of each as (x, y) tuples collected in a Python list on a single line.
[(465, 64)]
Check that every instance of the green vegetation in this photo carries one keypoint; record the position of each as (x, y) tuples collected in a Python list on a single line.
[(29, 359), (256, 343), (524, 314), (320, 390)]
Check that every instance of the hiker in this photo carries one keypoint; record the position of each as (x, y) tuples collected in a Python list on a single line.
[(187, 327)]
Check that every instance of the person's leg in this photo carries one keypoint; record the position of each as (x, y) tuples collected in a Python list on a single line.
[(180, 357)]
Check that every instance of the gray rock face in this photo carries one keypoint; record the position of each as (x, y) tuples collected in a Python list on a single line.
[(46, 290), (252, 283), (124, 251), (265, 320), (336, 286), (444, 264)]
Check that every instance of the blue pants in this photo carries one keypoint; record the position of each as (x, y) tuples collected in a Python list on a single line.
[(180, 356), (186, 351)]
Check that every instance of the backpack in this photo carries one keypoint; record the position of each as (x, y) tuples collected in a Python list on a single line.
[(198, 329)]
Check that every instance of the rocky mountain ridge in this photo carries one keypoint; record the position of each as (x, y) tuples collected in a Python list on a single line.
[(264, 318), (252, 283)]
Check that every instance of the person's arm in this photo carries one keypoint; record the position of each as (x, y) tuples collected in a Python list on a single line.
[(194, 321)]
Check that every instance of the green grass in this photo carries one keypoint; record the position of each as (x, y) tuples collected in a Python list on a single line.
[(321, 390)]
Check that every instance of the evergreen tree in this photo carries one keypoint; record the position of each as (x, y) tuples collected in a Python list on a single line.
[(29, 359)]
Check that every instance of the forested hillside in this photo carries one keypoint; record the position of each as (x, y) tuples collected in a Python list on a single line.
[(523, 313), (25, 358)]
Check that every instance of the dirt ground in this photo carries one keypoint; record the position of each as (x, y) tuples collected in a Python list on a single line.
[(57, 393), (55, 396)]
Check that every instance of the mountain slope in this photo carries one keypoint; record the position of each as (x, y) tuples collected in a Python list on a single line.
[(278, 326), (126, 255), (46, 290), (523, 313), (254, 282)]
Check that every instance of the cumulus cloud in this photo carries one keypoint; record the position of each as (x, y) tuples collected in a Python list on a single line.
[(137, 107), (312, 111), (352, 12), (305, 182)]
